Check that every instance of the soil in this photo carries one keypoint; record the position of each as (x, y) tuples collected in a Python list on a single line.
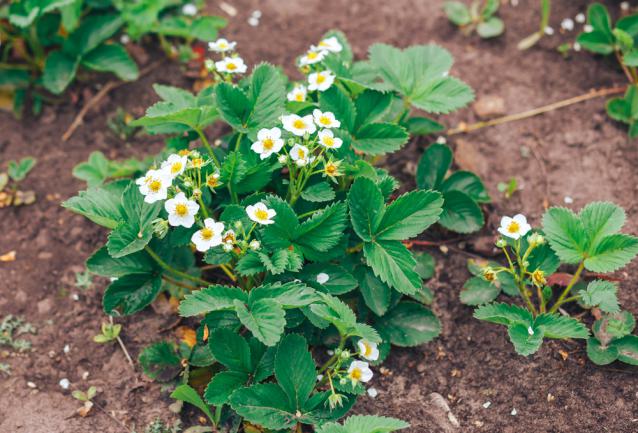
[(574, 154)]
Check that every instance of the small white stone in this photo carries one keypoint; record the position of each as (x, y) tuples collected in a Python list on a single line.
[(513, 412), (372, 392), (330, 352), (441, 140), (189, 9), (67, 348), (64, 383), (319, 377), (256, 13), (125, 39), (580, 18), (577, 46), (31, 385), (85, 375), (549, 31), (75, 297), (514, 3), (588, 28), (252, 21), (624, 6), (322, 278), (487, 404), (567, 24), (568, 200)]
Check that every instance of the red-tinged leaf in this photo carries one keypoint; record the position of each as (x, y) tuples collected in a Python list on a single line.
[(559, 279)]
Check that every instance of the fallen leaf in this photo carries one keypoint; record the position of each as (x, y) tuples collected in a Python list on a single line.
[(8, 257), (563, 354), (186, 335)]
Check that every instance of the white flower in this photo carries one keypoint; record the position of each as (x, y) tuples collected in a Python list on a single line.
[(229, 237), (209, 64), (175, 165), (301, 155), (567, 24), (260, 213), (328, 140), (282, 159), (209, 236), (189, 9), (325, 120), (154, 185), (359, 371), (314, 55), (231, 65), (320, 80), (254, 245), (372, 392), (125, 39), (298, 93), (221, 45), (514, 227), (268, 142), (322, 278), (331, 44), (624, 6), (298, 125), (368, 349), (577, 46), (181, 211)]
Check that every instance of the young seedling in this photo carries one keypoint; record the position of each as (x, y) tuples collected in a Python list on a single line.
[(590, 240), (11, 328), (280, 233), (84, 280), (86, 399), (480, 16), (10, 194), (111, 332), (508, 188), (531, 40)]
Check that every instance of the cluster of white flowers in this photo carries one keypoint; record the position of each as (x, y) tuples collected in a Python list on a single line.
[(182, 210), (319, 80), (359, 371), (269, 141), (231, 63)]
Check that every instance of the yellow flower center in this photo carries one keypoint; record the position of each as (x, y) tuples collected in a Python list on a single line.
[(181, 209), (268, 143), (331, 169), (223, 45), (176, 167), (301, 154), (231, 66), (367, 350), (230, 237), (197, 162), (312, 55), (184, 152), (356, 374), (324, 120), (320, 79), (514, 227), (299, 124), (261, 214), (155, 185), (328, 141), (299, 97), (207, 233), (323, 44), (212, 181)]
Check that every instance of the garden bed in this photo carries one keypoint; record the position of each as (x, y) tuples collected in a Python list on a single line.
[(574, 154)]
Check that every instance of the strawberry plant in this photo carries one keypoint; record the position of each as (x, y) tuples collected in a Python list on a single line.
[(591, 241), (463, 191), (281, 234), (620, 40), (46, 45), (479, 16)]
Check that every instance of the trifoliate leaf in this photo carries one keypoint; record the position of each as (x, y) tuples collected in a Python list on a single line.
[(323, 230), (212, 298), (230, 349), (601, 294), (409, 324), (102, 205)]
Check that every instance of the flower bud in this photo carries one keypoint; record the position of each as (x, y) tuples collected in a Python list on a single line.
[(345, 354), (254, 245), (227, 247), (238, 224), (160, 227), (489, 274), (335, 400), (501, 243), (538, 278), (535, 239), (282, 159)]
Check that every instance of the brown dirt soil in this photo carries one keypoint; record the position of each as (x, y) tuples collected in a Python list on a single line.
[(585, 156)]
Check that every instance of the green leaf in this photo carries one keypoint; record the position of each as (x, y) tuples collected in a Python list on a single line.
[(409, 215), (380, 138), (373, 424), (265, 318), (267, 96), (223, 385), (598, 18), (319, 192), (596, 42), (101, 205), (525, 343), (409, 324), (230, 349), (504, 314), (265, 405), (59, 71), (490, 28), (424, 265), (467, 183), (558, 326), (19, 170), (627, 349), (599, 354), (477, 291), (323, 230), (457, 12), (601, 294), (370, 107), (443, 96), (94, 171), (160, 361), (189, 395), (340, 104), (612, 253), (289, 295), (295, 370), (212, 298), (461, 213), (601, 219), (433, 165), (565, 233), (112, 58), (137, 231), (131, 293), (94, 30), (101, 263), (366, 207), (423, 126), (393, 263), (376, 294), (339, 281), (233, 105)]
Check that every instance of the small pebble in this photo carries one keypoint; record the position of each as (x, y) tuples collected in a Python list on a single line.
[(252, 21), (487, 404), (31, 385), (330, 352), (549, 31), (444, 249), (568, 200), (513, 412), (75, 297), (67, 348), (580, 18), (576, 46), (567, 24), (624, 6), (64, 383), (588, 28), (125, 39), (85, 375), (441, 140), (514, 3), (372, 392), (256, 13)]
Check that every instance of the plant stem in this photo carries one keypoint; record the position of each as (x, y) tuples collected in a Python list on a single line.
[(561, 299), (206, 144), (464, 127), (333, 358), (121, 343), (228, 272), (178, 283), (174, 271)]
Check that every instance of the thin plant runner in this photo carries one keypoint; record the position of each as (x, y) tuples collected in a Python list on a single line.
[(590, 240), (280, 235)]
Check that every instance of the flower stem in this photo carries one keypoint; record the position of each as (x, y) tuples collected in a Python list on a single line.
[(209, 149), (174, 271), (561, 299), (333, 358)]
